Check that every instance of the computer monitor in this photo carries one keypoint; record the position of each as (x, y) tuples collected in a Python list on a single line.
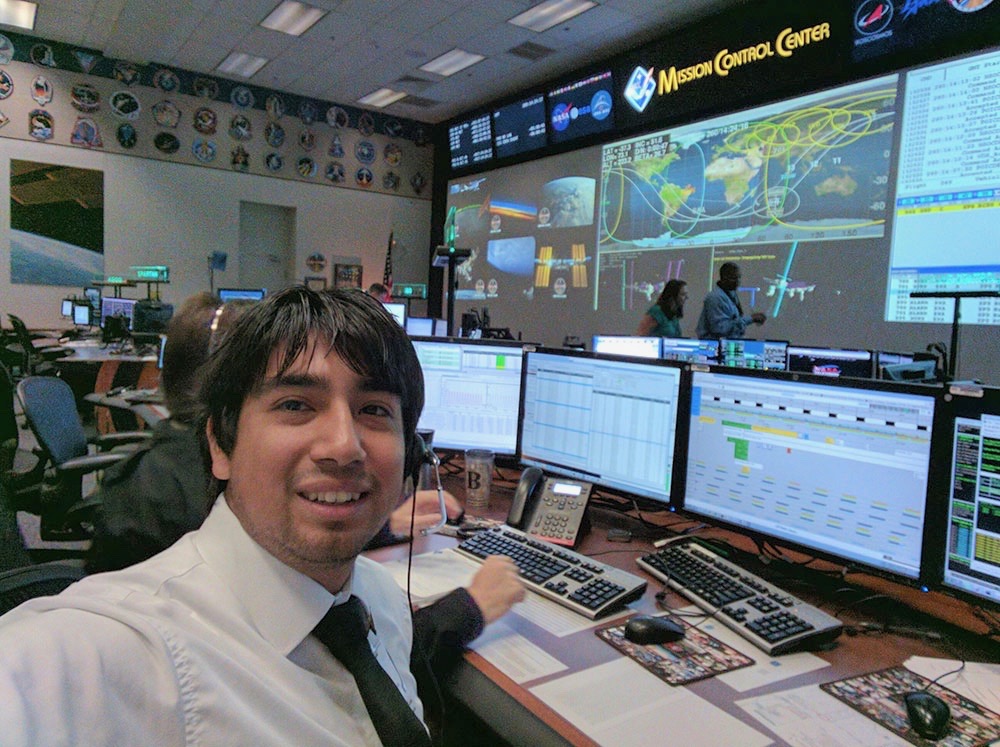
[(151, 316), (830, 361), (971, 558), (240, 294), (689, 351), (638, 347), (923, 372), (124, 307), (66, 308), (440, 327), (471, 392), (398, 311), (420, 326), (887, 358), (835, 467), (82, 314), (766, 355), (611, 421)]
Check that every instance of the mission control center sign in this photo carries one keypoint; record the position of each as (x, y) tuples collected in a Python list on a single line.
[(648, 84)]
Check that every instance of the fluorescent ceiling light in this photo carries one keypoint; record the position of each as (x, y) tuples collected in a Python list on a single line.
[(550, 13), (382, 97), (292, 17), (18, 13), (451, 62), (241, 64)]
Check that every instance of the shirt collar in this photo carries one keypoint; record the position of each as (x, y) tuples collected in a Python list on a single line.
[(283, 604)]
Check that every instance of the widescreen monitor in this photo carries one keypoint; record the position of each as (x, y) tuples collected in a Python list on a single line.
[(420, 326), (830, 361), (124, 307), (582, 107), (971, 562), (689, 351), (519, 127), (835, 467), (241, 294), (766, 355), (638, 347), (610, 421), (471, 392)]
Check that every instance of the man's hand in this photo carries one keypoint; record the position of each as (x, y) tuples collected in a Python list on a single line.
[(428, 512), (496, 587)]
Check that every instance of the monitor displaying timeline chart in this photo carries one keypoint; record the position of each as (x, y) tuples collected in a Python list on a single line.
[(831, 361), (766, 355), (689, 351), (608, 421), (639, 347), (972, 545), (472, 390), (836, 467)]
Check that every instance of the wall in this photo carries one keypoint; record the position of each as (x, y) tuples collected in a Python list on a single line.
[(163, 213)]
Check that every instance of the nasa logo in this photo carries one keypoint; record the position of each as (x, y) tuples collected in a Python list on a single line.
[(639, 89), (872, 17), (561, 116), (600, 105)]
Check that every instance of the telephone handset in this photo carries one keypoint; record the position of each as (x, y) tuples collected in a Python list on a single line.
[(553, 509)]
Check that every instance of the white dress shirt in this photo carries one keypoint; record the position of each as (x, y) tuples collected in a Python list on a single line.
[(207, 643)]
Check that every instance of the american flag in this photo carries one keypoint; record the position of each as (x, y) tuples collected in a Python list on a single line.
[(387, 272)]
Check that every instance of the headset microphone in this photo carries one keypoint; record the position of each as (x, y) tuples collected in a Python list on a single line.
[(429, 457)]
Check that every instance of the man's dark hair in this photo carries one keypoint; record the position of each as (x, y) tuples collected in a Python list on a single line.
[(728, 268), (351, 324)]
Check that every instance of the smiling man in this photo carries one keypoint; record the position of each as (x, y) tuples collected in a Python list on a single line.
[(311, 406)]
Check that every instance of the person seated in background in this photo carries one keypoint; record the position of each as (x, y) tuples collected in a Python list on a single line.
[(379, 292), (722, 314), (663, 318), (310, 407)]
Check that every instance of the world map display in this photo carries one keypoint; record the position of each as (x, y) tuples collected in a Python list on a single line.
[(812, 168)]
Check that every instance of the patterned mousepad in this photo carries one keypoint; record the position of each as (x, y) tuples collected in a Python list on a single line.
[(694, 657), (879, 696)]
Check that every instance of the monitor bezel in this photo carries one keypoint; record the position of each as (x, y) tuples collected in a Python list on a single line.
[(504, 457), (935, 481), (680, 424), (959, 401)]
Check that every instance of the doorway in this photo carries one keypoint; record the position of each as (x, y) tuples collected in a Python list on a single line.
[(267, 246)]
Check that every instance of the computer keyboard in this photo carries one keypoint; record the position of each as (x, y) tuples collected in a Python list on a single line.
[(765, 615), (575, 581)]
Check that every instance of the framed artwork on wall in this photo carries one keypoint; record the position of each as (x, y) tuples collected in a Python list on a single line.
[(347, 276)]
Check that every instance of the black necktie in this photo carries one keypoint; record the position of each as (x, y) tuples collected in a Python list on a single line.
[(344, 630)]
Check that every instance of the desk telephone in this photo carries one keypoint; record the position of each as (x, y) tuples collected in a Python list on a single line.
[(549, 508)]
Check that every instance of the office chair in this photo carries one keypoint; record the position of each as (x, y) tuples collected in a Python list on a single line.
[(44, 579), (35, 359), (19, 469), (50, 409)]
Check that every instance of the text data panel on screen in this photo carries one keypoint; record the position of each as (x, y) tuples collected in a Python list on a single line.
[(835, 469), (471, 392), (972, 553), (608, 421)]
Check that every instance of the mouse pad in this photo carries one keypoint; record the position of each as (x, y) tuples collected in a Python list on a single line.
[(696, 656), (879, 696)]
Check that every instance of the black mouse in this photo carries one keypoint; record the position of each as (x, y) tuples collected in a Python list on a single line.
[(649, 629), (929, 715)]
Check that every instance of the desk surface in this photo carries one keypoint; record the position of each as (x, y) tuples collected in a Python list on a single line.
[(515, 710), (91, 351)]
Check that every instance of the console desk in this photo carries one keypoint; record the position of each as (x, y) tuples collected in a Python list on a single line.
[(479, 695)]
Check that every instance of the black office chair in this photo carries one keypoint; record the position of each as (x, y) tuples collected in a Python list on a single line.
[(50, 409), (44, 579), (34, 359)]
